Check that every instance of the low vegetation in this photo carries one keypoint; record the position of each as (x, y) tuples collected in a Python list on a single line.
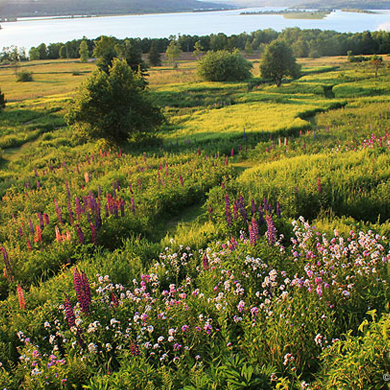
[(246, 246)]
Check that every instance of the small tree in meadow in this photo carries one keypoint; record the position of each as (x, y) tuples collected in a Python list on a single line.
[(113, 106), (84, 52), (2, 101), (377, 62), (222, 65), (154, 56), (198, 50), (173, 53), (24, 76), (278, 62)]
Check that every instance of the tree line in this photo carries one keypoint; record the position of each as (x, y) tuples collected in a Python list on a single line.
[(304, 43)]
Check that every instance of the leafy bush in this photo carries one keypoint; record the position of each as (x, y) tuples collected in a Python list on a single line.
[(278, 62), (2, 101), (113, 106), (24, 76), (224, 66)]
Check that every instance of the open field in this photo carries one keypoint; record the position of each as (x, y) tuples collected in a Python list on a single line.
[(245, 247)]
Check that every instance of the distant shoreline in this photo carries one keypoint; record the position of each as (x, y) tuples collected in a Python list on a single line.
[(57, 17)]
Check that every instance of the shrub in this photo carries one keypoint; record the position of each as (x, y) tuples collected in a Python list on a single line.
[(113, 106), (24, 76), (224, 66), (2, 101), (278, 62)]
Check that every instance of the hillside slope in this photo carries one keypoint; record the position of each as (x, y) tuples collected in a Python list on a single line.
[(20, 8)]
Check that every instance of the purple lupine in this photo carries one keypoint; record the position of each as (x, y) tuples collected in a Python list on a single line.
[(122, 207), (31, 227), (58, 211), (232, 152), (36, 172), (78, 208), (133, 206), (265, 203), (270, 234), (70, 212), (46, 218), (38, 185), (113, 192), (243, 212), (67, 190), (227, 210), (94, 234), (117, 185), (7, 264), (99, 191), (181, 181), (278, 210), (253, 206), (235, 211), (255, 228), (98, 216), (80, 234), (139, 184), (86, 287), (41, 222), (116, 213), (71, 318), (227, 160), (131, 189), (252, 237), (205, 262), (92, 201), (83, 296), (20, 232)]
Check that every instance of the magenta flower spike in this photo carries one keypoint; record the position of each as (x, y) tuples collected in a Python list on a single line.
[(70, 316)]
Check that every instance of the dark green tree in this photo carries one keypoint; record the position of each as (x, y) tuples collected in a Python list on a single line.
[(42, 51), (133, 56), (278, 62), (154, 56), (33, 54), (113, 106), (224, 66), (105, 52), (84, 53), (62, 52), (2, 101)]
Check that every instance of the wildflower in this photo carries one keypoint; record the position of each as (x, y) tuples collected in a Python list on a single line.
[(22, 304), (205, 262), (227, 210), (270, 234), (7, 264), (69, 312), (38, 236)]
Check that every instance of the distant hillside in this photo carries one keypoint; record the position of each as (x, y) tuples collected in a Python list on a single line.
[(336, 4), (19, 8), (348, 4)]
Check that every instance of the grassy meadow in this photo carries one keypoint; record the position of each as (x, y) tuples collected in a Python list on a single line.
[(245, 247)]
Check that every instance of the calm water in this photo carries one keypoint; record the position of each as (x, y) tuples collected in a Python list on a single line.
[(27, 33)]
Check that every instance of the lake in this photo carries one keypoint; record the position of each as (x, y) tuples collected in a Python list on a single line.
[(27, 33)]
